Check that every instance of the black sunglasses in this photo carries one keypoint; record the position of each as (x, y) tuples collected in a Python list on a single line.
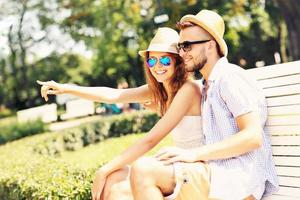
[(187, 45)]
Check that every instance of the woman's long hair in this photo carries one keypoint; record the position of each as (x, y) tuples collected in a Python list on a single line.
[(161, 98)]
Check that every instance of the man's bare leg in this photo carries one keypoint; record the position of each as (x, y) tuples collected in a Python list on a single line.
[(150, 179), (117, 186)]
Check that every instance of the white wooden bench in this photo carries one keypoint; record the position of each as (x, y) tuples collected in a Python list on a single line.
[(281, 86), (78, 108), (47, 113)]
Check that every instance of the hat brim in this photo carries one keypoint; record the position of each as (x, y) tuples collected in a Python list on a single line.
[(159, 48), (220, 41)]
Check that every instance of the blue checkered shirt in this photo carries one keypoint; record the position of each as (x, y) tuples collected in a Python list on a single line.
[(232, 93)]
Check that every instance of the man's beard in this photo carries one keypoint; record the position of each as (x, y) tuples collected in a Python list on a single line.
[(197, 66)]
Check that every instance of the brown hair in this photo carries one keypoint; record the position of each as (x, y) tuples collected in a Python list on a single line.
[(183, 25), (161, 98)]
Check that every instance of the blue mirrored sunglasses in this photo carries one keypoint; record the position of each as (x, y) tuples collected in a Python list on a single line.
[(164, 60)]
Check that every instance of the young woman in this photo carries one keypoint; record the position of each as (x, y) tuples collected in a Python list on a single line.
[(176, 98)]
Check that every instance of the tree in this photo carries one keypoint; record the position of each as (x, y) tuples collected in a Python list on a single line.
[(290, 10), (31, 24)]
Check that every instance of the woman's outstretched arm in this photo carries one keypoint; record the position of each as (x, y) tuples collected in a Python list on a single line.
[(99, 94)]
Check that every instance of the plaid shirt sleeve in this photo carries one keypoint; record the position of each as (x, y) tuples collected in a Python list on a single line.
[(239, 94)]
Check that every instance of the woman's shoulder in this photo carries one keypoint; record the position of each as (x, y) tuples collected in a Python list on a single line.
[(191, 85)]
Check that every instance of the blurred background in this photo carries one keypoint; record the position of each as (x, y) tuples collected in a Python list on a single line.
[(95, 42)]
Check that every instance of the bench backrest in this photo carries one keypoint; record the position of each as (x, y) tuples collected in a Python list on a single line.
[(78, 108), (281, 86), (47, 113)]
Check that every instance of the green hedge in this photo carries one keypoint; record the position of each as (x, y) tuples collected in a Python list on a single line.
[(26, 174), (93, 132), (13, 130)]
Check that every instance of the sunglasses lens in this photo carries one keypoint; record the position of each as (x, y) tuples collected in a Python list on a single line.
[(184, 46), (151, 62), (165, 60)]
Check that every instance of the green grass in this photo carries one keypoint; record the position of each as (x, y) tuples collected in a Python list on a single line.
[(8, 121), (96, 154)]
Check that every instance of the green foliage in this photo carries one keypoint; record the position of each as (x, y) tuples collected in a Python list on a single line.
[(93, 132), (26, 174), (12, 130), (5, 112)]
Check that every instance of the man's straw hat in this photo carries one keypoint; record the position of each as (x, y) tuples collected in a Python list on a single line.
[(212, 23), (165, 40)]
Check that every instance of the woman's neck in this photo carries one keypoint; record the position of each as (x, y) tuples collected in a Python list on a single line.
[(167, 87)]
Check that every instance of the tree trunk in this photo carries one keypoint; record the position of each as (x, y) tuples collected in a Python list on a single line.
[(14, 70), (290, 9)]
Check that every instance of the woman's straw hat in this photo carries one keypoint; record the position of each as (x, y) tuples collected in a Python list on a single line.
[(165, 40), (212, 23)]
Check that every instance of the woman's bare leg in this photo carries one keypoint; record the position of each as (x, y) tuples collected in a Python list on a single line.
[(117, 185), (150, 179)]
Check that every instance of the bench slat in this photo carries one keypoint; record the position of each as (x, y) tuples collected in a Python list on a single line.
[(283, 120), (275, 70), (285, 140), (280, 81), (287, 161), (286, 150), (283, 90), (284, 110), (284, 130), (284, 100), (289, 181), (279, 197), (288, 171), (285, 193)]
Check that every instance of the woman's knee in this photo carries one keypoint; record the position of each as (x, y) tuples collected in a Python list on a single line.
[(120, 191), (141, 168), (114, 178), (148, 171)]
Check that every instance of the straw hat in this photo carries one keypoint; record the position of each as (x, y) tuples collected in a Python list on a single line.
[(212, 23), (165, 40)]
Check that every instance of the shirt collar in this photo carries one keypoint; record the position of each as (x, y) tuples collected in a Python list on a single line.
[(217, 68)]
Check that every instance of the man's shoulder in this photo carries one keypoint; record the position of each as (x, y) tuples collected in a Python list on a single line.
[(233, 68), (233, 72)]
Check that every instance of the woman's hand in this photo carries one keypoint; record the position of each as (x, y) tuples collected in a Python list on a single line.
[(169, 155), (98, 185), (50, 87)]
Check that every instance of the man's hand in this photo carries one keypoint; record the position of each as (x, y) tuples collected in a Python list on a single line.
[(170, 155), (50, 87), (98, 185)]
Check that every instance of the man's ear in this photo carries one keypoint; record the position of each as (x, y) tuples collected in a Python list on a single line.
[(212, 45)]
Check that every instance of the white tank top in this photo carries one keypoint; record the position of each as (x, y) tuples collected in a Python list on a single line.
[(188, 132)]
